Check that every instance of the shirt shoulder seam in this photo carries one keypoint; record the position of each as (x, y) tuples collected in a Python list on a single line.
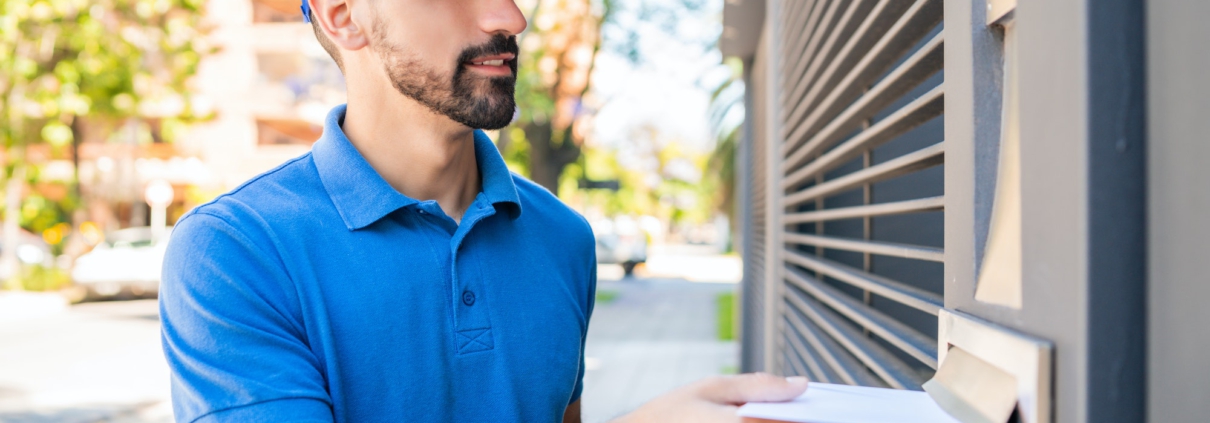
[(241, 187)]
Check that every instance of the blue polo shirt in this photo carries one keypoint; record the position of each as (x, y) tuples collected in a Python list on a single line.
[(317, 293)]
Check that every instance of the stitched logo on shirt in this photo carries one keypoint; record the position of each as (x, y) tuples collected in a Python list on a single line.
[(474, 340)]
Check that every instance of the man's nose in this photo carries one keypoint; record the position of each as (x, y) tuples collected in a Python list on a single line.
[(503, 17)]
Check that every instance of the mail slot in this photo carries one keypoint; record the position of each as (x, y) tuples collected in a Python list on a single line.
[(988, 371)]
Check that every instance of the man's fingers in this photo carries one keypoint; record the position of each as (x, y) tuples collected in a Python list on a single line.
[(752, 387)]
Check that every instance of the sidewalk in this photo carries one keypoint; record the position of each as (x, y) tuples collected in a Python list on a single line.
[(94, 362), (653, 336), (18, 306)]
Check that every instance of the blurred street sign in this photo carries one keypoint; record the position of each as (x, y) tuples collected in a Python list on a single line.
[(609, 184), (159, 195)]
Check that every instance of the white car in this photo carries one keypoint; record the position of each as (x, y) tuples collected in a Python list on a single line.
[(127, 263), (620, 241)]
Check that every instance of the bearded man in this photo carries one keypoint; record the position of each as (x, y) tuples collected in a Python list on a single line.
[(398, 272)]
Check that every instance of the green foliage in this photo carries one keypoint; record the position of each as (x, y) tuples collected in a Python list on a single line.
[(606, 297), (721, 169), (107, 59), (39, 213), (34, 277), (726, 316), (652, 192), (103, 60), (602, 164), (726, 117), (532, 94), (516, 152)]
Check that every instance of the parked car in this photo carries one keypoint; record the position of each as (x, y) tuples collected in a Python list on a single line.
[(126, 264), (620, 241)]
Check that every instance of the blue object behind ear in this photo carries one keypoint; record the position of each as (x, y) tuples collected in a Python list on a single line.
[(306, 9)]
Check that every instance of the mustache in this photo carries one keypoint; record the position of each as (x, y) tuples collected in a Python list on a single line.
[(499, 44)]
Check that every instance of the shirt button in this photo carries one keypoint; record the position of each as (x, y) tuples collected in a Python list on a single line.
[(422, 212), (468, 298)]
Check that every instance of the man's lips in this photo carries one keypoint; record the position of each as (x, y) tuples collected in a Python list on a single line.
[(493, 60), (498, 60)]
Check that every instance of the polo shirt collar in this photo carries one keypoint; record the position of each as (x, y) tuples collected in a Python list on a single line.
[(362, 197)]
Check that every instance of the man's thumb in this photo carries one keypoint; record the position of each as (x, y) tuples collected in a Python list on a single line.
[(753, 387)]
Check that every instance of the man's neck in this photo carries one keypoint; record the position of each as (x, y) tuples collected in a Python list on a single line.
[(421, 154)]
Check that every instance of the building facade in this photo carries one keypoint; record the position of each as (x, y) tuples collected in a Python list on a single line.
[(270, 85), (1000, 192)]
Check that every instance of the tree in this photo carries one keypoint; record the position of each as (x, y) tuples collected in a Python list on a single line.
[(558, 55), (109, 61), (726, 117)]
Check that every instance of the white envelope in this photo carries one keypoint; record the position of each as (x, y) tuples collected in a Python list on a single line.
[(828, 403)]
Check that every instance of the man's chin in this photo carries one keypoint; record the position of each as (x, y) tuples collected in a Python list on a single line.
[(496, 121), (488, 112), (494, 86)]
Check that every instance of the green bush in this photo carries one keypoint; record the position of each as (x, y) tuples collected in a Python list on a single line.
[(606, 297), (40, 278), (726, 316)]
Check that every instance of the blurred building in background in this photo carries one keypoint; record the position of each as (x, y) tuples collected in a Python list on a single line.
[(115, 98), (270, 86), (267, 88)]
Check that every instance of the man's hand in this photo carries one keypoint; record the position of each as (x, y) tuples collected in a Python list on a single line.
[(716, 399)]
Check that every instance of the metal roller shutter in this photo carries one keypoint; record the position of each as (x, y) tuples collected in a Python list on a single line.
[(753, 171), (860, 181)]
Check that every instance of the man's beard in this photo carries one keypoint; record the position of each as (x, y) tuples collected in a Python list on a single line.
[(472, 100)]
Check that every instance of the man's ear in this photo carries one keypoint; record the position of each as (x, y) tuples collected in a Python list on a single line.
[(338, 22)]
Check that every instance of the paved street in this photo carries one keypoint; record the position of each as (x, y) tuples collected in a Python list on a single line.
[(96, 362), (101, 362), (655, 335)]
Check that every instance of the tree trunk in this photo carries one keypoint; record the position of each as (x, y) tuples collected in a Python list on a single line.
[(504, 140), (9, 266), (548, 156), (77, 136)]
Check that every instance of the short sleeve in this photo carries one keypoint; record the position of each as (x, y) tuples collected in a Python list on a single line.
[(232, 330), (589, 303)]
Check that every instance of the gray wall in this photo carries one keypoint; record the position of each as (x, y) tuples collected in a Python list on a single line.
[(1178, 39), (1082, 186)]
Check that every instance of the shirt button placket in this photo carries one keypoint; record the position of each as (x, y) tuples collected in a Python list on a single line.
[(470, 295)]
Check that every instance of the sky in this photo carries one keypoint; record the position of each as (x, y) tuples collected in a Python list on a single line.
[(669, 84)]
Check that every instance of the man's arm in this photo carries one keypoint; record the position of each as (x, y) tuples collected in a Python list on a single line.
[(572, 413), (232, 331)]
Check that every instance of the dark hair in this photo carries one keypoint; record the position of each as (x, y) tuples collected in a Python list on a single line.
[(326, 42)]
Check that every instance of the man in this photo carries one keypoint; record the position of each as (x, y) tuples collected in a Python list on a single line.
[(398, 272)]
